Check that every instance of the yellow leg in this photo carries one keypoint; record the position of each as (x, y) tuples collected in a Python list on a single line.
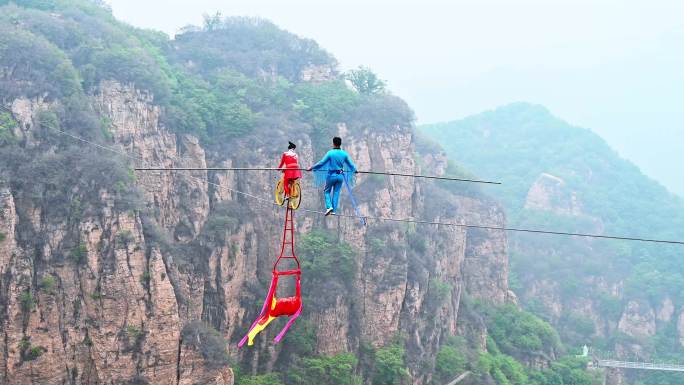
[(257, 329), (261, 325)]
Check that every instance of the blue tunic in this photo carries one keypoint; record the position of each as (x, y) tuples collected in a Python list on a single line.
[(335, 160), (330, 169)]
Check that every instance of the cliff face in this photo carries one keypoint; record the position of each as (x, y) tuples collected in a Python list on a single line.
[(119, 313)]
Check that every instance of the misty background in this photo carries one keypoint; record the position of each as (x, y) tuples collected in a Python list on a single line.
[(612, 66)]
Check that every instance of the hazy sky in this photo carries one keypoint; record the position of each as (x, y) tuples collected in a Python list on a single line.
[(615, 66)]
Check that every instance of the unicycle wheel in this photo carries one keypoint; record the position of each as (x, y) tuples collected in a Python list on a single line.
[(280, 193), (295, 195)]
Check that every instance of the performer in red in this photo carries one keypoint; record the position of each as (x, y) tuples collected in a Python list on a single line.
[(292, 170)]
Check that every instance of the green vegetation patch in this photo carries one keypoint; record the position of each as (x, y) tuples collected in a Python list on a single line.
[(516, 331), (264, 379), (325, 370), (48, 283), (79, 254), (451, 360), (390, 366), (28, 351), (7, 126), (26, 301), (326, 258)]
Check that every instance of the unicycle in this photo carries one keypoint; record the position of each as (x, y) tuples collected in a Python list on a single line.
[(295, 194)]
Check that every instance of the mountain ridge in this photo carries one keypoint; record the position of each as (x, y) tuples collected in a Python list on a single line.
[(516, 112)]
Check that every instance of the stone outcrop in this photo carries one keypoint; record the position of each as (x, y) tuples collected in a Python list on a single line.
[(27, 114), (638, 320), (317, 74), (180, 200), (549, 193), (8, 223), (666, 310)]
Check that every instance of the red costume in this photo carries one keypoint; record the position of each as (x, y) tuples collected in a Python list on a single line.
[(292, 170)]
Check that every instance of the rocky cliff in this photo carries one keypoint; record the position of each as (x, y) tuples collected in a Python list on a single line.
[(114, 304)]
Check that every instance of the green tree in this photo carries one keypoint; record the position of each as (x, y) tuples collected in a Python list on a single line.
[(438, 291), (38, 66), (79, 254), (390, 368), (326, 258), (450, 360), (325, 104), (503, 369), (264, 379), (365, 81), (516, 331), (325, 370), (212, 22), (448, 363), (7, 126), (26, 301), (47, 283)]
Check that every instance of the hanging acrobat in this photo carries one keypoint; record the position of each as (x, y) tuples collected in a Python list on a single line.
[(279, 307)]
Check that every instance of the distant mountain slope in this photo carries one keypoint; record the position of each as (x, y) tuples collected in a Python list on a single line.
[(613, 294)]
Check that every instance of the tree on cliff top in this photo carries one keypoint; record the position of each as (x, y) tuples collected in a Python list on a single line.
[(365, 81)]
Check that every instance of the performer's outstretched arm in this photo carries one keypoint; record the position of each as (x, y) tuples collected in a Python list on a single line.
[(321, 162)]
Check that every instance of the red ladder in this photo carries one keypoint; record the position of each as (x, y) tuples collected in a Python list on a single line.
[(274, 307)]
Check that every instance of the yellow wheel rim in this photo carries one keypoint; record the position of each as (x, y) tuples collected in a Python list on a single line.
[(295, 190), (295, 195), (279, 193)]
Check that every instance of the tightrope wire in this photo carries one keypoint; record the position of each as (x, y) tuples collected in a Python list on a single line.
[(385, 219)]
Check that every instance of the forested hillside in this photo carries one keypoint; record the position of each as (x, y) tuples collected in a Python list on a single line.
[(617, 296)]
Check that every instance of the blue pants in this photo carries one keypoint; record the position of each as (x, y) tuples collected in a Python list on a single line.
[(333, 186)]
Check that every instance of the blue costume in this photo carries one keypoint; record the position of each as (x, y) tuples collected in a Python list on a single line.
[(332, 167)]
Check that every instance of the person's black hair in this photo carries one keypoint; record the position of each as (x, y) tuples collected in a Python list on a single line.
[(291, 145), (337, 141)]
